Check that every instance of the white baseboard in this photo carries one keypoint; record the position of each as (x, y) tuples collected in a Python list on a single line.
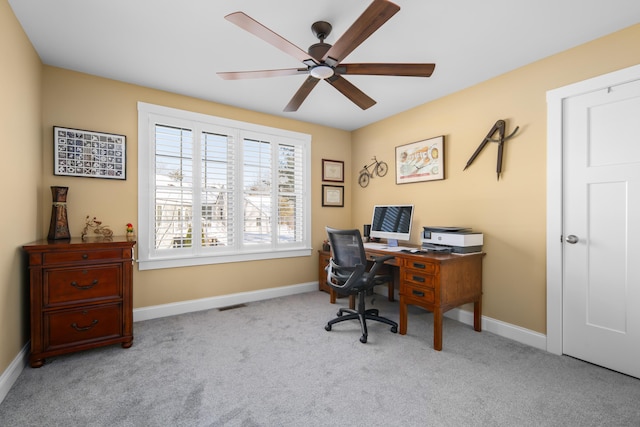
[(11, 374), (498, 327), (164, 310), (503, 329)]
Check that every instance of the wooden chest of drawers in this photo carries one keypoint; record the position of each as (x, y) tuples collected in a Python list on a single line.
[(81, 295)]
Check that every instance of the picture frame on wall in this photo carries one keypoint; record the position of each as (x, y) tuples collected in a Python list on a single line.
[(332, 170), (333, 195), (420, 161), (89, 154)]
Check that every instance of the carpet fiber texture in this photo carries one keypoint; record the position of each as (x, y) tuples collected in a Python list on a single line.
[(271, 363)]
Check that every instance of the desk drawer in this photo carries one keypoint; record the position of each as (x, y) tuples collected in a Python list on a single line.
[(420, 265), (418, 278), (418, 293)]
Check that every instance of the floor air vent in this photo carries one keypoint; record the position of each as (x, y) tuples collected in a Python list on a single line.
[(231, 307)]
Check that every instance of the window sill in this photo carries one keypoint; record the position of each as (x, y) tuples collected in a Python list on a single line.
[(189, 261)]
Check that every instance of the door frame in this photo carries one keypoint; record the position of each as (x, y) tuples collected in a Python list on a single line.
[(555, 143)]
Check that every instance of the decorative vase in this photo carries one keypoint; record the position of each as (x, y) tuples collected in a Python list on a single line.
[(59, 226)]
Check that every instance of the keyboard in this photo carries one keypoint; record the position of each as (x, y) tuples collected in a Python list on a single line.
[(385, 247)]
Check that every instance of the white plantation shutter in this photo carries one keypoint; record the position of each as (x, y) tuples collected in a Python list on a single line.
[(213, 190), (257, 172), (218, 177), (173, 186), (291, 206)]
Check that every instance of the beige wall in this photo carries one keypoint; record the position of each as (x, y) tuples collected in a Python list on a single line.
[(510, 212), (21, 175), (82, 101)]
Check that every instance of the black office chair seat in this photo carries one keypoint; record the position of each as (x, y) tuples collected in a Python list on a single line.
[(346, 273)]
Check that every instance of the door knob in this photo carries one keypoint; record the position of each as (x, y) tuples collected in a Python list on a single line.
[(572, 239)]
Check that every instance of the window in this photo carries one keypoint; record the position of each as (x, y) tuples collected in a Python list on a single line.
[(214, 190)]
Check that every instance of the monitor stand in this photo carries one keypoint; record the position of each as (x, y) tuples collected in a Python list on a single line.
[(392, 243)]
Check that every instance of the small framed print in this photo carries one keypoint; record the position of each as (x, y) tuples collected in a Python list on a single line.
[(333, 195), (332, 170), (89, 154), (420, 161)]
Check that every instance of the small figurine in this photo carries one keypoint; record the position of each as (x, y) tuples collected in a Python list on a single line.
[(98, 228), (129, 229)]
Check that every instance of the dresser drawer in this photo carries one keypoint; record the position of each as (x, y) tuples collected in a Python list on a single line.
[(418, 278), (72, 285), (82, 325), (82, 256), (420, 265), (417, 293)]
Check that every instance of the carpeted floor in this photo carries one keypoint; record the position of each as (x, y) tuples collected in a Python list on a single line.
[(271, 363)]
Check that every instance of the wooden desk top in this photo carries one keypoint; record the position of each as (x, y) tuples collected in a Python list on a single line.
[(438, 256)]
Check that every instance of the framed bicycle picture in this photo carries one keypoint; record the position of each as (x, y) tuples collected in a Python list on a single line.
[(89, 154), (420, 161), (332, 170)]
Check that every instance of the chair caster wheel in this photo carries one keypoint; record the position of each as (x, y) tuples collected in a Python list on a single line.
[(394, 329), (327, 328), (339, 314), (363, 339)]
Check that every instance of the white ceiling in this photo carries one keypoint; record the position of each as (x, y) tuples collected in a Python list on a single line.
[(178, 46)]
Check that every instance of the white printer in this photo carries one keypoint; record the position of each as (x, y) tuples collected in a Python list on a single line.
[(459, 240)]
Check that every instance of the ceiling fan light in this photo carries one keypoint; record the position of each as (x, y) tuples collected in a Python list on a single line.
[(321, 72)]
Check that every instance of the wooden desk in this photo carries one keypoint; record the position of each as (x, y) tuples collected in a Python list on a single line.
[(436, 282)]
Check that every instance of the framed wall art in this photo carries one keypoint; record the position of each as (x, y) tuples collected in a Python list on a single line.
[(332, 170), (89, 154), (420, 161), (333, 195)]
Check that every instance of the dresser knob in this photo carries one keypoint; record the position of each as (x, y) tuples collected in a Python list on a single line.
[(85, 256)]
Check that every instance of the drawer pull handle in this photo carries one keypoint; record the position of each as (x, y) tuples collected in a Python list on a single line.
[(85, 256), (75, 326), (418, 279), (85, 287), (418, 265), (418, 293)]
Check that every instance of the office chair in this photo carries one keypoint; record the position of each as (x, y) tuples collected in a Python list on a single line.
[(347, 274)]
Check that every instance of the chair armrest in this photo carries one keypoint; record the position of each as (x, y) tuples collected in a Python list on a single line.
[(350, 279), (378, 261), (382, 258)]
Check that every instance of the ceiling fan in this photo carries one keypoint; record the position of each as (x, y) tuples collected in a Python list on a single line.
[(324, 61)]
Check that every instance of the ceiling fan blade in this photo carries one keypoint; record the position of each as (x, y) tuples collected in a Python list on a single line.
[(378, 12), (254, 27), (301, 94), (357, 96), (237, 75), (410, 70)]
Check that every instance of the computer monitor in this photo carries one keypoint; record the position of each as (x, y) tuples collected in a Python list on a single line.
[(392, 222)]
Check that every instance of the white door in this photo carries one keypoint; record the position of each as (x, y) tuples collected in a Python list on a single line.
[(601, 227)]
